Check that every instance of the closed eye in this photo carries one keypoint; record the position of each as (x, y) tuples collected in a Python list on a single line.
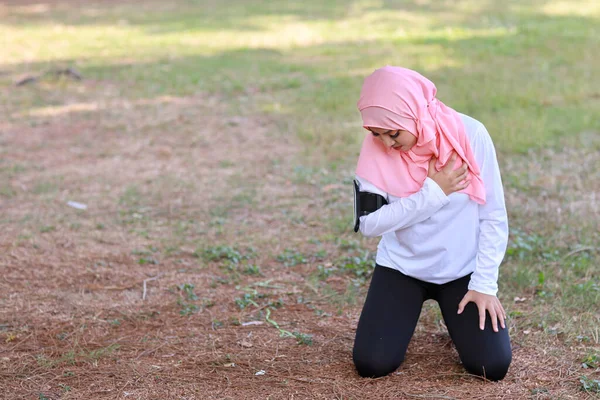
[(394, 136)]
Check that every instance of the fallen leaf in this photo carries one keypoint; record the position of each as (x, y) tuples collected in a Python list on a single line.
[(520, 299)]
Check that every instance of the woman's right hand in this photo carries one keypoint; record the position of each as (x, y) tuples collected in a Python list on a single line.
[(448, 180)]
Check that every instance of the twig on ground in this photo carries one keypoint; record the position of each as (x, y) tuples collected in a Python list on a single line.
[(18, 344), (569, 254), (69, 72), (428, 396), (150, 351), (148, 280)]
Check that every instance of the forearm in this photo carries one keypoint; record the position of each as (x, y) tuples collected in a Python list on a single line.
[(404, 212), (493, 239)]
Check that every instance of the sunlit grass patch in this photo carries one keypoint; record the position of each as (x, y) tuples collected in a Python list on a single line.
[(521, 70)]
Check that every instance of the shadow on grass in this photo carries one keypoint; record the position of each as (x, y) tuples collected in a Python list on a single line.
[(528, 86), (245, 15)]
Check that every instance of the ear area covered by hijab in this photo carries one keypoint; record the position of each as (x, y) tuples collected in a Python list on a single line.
[(399, 98)]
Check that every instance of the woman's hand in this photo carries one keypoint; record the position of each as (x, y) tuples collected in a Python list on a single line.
[(485, 302), (450, 181)]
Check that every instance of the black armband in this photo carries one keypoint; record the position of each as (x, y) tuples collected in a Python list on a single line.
[(365, 203)]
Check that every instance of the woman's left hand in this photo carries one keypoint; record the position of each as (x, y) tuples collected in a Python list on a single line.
[(485, 302)]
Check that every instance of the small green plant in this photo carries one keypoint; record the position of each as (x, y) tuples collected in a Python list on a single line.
[(47, 228), (360, 266), (276, 304), (102, 352), (325, 272), (321, 313), (541, 289), (64, 387), (346, 245), (246, 300), (591, 361), (290, 258), (188, 289), (581, 264), (218, 281), (530, 246), (320, 255), (225, 253), (217, 324), (590, 385), (141, 252), (187, 308), (251, 270), (303, 338), (148, 260)]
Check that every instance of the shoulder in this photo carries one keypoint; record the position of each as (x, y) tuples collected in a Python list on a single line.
[(474, 128), (365, 186), (476, 131)]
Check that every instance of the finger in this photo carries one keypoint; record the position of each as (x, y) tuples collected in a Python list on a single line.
[(462, 304), (431, 166), (481, 317), (461, 177), (449, 167), (494, 318), (499, 313), (462, 186), (503, 320)]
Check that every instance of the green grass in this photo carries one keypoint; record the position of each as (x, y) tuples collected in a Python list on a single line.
[(522, 69)]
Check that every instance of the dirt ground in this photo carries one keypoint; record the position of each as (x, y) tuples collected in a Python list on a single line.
[(99, 303)]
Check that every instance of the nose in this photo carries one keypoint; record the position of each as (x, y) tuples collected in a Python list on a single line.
[(387, 141)]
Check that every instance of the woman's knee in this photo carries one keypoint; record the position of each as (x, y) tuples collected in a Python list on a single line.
[(494, 370), (373, 365), (374, 368)]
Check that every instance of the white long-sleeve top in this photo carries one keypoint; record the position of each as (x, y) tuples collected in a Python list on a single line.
[(437, 238)]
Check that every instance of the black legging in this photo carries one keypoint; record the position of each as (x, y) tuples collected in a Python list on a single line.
[(390, 315)]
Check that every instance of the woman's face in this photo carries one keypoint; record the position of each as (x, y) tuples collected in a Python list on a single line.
[(397, 139)]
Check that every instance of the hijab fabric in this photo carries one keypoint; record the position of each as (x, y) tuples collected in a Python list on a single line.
[(395, 98)]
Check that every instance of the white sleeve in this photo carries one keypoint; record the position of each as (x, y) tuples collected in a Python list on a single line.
[(402, 212), (493, 220)]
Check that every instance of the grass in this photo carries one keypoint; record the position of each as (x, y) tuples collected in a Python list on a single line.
[(293, 61), (174, 90), (303, 79)]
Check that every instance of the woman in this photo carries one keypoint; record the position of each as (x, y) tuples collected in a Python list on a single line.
[(443, 232)]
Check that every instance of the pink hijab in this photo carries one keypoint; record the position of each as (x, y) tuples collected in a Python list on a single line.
[(399, 98)]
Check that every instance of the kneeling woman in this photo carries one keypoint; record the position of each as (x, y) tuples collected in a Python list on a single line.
[(443, 231)]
